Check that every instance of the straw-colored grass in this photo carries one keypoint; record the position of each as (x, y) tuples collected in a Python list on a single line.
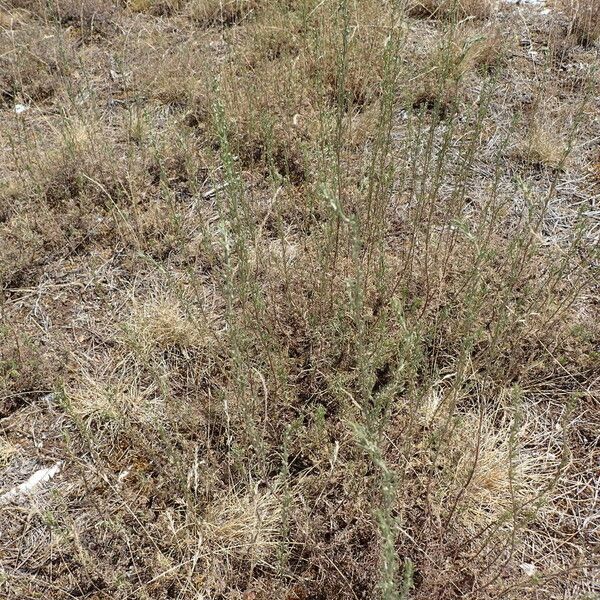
[(301, 297)]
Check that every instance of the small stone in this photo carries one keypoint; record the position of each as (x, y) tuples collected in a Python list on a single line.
[(529, 569)]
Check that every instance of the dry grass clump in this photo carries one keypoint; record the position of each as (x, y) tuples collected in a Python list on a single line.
[(32, 64), (98, 406), (175, 86), (485, 51), (544, 145), (271, 144), (7, 451), (179, 160), (23, 365), (89, 16), (359, 77), (204, 13), (174, 73), (584, 17), (81, 166), (453, 65), (488, 471), (448, 66), (220, 12), (267, 130), (278, 131), (12, 17), (273, 36), (163, 324), (156, 7), (431, 94), (26, 238), (240, 531), (31, 6), (80, 190), (80, 182), (108, 403), (458, 9)]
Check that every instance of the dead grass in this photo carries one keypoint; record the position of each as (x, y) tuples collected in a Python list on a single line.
[(31, 63), (162, 324), (458, 9), (7, 451), (584, 20), (156, 7), (220, 12), (544, 146), (300, 306)]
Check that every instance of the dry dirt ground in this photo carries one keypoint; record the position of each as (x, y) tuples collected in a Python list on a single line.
[(299, 299)]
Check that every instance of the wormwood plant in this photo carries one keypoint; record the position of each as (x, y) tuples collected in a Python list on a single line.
[(301, 295)]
